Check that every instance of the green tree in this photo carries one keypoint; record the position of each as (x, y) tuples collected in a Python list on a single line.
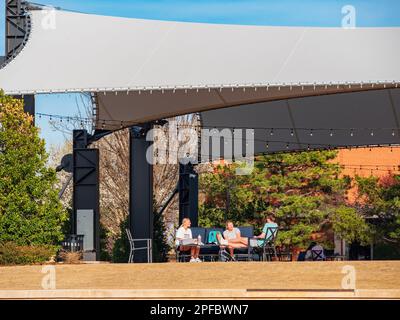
[(30, 211), (350, 225), (304, 191), (380, 200)]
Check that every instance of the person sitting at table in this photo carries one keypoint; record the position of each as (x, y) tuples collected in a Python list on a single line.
[(233, 237), (184, 232), (266, 233)]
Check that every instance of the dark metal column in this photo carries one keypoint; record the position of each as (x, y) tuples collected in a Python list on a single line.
[(86, 196), (141, 190), (16, 30), (16, 26), (29, 105), (188, 193)]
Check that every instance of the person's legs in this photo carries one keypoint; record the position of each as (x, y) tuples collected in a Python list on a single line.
[(186, 249), (193, 252), (197, 252), (231, 249), (236, 240), (234, 245), (241, 240)]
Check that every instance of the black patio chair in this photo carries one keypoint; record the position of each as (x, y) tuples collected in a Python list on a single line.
[(317, 255), (268, 248), (284, 254)]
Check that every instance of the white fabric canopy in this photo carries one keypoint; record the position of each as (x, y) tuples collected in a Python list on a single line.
[(144, 70)]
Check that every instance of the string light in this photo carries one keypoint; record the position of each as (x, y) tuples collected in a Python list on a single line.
[(290, 129)]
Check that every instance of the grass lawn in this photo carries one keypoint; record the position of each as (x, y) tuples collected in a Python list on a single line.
[(255, 275)]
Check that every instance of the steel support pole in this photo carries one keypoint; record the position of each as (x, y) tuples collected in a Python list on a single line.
[(140, 190), (188, 193), (85, 216), (15, 32)]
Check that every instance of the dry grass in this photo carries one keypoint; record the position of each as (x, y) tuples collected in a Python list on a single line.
[(274, 275), (69, 257)]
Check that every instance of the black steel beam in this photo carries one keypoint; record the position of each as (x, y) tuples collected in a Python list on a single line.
[(16, 30), (188, 193), (86, 195), (140, 190), (29, 104), (16, 26)]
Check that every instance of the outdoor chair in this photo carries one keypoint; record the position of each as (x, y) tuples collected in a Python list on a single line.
[(268, 249), (284, 254), (133, 248), (317, 255)]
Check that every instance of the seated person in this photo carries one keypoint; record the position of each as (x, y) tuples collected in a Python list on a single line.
[(232, 235), (318, 252), (184, 232), (269, 223)]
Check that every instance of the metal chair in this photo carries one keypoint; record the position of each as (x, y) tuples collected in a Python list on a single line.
[(268, 248), (317, 255), (132, 241)]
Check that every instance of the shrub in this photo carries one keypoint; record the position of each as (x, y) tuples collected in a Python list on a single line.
[(12, 254), (70, 257)]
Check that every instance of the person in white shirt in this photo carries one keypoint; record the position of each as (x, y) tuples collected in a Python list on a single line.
[(184, 232)]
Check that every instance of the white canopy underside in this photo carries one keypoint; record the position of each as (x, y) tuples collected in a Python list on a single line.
[(143, 70)]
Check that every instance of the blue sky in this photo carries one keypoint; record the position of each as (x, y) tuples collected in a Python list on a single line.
[(322, 13)]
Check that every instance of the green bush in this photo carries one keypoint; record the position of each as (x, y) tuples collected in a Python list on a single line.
[(12, 254), (120, 252)]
